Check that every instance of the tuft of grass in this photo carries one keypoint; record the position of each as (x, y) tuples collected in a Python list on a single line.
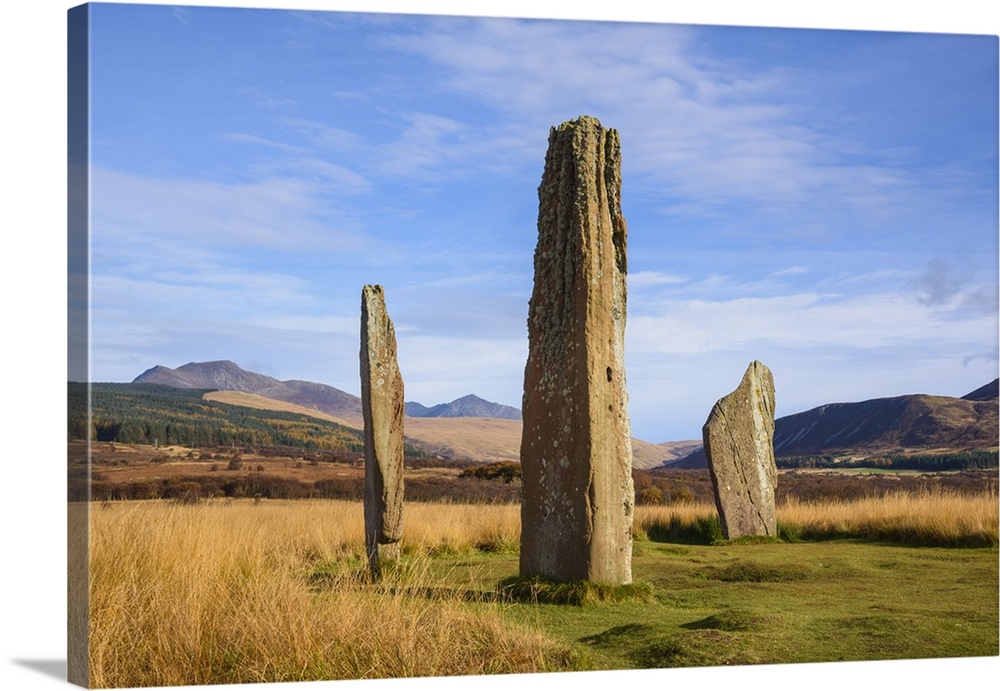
[(696, 524), (745, 571), (750, 540), (735, 619), (537, 590), (700, 648)]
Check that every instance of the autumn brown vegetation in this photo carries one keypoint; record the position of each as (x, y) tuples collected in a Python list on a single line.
[(125, 471), (239, 592)]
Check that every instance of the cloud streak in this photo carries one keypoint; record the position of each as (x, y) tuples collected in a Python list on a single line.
[(778, 204), (280, 213)]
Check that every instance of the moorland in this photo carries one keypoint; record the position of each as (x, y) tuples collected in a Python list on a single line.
[(240, 559), (244, 590)]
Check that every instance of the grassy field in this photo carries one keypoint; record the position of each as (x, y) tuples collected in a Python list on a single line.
[(230, 591)]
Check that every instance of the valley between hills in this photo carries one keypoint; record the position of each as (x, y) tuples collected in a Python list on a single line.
[(482, 439)]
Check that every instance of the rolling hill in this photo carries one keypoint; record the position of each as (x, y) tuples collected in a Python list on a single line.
[(157, 414), (477, 438), (900, 424), (473, 428), (225, 375)]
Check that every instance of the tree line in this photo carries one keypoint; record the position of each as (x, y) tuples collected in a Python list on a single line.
[(928, 462), (163, 415)]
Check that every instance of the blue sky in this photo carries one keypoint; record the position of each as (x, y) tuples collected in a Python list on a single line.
[(823, 201)]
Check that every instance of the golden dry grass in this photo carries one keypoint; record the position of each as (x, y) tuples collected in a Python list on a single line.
[(932, 517), (252, 400), (221, 593), (235, 591)]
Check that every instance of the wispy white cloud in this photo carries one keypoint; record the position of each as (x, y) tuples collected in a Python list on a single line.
[(789, 230), (280, 213), (805, 320), (245, 138), (790, 271), (325, 138), (646, 279), (821, 348), (427, 147), (438, 368), (267, 100), (703, 131)]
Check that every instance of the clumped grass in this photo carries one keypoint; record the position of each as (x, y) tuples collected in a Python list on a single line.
[(751, 540), (227, 593), (685, 523), (696, 649), (748, 571), (736, 619), (579, 593)]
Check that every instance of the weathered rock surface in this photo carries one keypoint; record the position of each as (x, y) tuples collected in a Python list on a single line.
[(383, 409), (739, 444), (576, 454)]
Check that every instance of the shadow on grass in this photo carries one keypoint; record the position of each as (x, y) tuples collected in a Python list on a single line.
[(704, 530), (650, 646), (736, 619)]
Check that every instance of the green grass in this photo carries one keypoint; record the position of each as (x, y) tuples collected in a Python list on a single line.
[(725, 604), (536, 591)]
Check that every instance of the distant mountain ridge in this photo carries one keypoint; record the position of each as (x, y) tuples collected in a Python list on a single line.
[(219, 374), (916, 422), (466, 406), (910, 423), (226, 375)]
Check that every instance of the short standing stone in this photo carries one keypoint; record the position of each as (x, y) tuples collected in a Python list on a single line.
[(383, 408), (576, 450), (739, 444)]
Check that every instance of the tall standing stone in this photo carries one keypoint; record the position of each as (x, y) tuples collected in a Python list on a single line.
[(576, 450), (383, 409), (739, 444)]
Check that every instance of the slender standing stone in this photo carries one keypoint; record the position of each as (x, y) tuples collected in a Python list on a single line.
[(382, 407), (739, 444), (576, 449)]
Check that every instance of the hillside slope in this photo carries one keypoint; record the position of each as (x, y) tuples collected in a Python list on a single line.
[(225, 375), (479, 439), (900, 424)]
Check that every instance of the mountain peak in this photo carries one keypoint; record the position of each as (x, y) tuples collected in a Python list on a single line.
[(469, 405), (225, 375)]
